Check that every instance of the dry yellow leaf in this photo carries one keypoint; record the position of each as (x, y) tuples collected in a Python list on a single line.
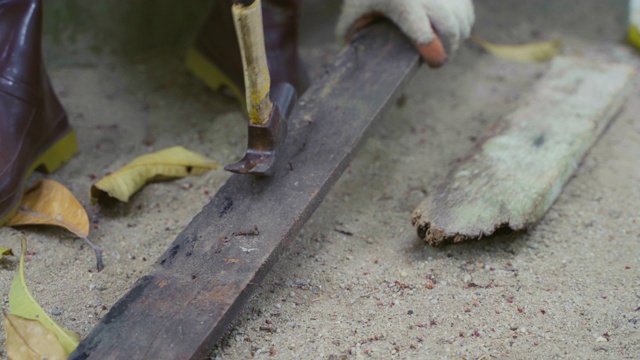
[(50, 203), (532, 52), (5, 251), (29, 340), (171, 163), (22, 303)]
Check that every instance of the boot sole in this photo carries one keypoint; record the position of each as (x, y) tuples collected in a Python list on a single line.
[(58, 154), (211, 75)]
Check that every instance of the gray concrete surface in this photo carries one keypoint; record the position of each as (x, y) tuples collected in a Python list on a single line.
[(570, 288)]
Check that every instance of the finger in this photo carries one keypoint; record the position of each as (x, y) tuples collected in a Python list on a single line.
[(460, 11), (433, 53), (463, 9), (412, 20), (471, 14), (444, 22), (360, 23)]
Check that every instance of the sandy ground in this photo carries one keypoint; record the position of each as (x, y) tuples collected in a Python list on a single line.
[(570, 288)]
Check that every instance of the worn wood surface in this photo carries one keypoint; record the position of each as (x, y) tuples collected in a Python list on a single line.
[(182, 308), (518, 170)]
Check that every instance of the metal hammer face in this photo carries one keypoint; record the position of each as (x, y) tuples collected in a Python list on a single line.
[(264, 141)]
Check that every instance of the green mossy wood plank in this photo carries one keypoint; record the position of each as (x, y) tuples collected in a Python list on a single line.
[(514, 175), (183, 306)]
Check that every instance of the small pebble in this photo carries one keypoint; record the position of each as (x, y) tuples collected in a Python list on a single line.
[(55, 312), (404, 274), (277, 305), (601, 339)]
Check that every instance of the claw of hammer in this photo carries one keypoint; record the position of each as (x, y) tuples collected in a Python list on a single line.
[(264, 141), (268, 110)]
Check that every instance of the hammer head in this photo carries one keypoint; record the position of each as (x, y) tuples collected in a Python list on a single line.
[(264, 141)]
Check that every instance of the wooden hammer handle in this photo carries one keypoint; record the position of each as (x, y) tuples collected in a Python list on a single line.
[(248, 24)]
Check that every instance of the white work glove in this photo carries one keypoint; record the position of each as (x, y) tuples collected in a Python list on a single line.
[(423, 21)]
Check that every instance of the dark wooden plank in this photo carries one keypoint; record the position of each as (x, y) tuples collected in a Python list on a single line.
[(182, 308)]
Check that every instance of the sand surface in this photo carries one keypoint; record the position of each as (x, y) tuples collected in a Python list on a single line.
[(358, 282)]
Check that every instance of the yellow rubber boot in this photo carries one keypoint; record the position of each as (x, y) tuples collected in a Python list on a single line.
[(634, 23), (54, 157)]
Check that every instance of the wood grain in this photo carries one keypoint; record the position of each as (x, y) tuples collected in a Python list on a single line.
[(185, 304), (517, 171)]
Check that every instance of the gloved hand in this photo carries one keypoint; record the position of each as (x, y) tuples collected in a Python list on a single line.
[(423, 21)]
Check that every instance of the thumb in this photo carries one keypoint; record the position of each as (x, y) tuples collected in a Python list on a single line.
[(432, 53)]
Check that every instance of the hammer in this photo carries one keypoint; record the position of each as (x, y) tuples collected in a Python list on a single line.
[(268, 108)]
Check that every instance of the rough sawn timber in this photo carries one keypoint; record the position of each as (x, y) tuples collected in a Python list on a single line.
[(519, 168), (184, 305)]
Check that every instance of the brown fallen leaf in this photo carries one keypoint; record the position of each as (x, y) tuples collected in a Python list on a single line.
[(50, 203), (171, 163), (28, 339), (531, 52)]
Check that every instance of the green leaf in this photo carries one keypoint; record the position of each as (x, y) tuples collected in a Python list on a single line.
[(5, 251), (22, 303)]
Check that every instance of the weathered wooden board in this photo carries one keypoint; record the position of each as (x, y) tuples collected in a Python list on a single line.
[(514, 175), (182, 308)]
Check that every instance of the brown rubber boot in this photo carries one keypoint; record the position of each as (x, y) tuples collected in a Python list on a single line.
[(215, 56), (34, 131)]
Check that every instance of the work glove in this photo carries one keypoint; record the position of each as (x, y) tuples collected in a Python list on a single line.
[(426, 22)]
